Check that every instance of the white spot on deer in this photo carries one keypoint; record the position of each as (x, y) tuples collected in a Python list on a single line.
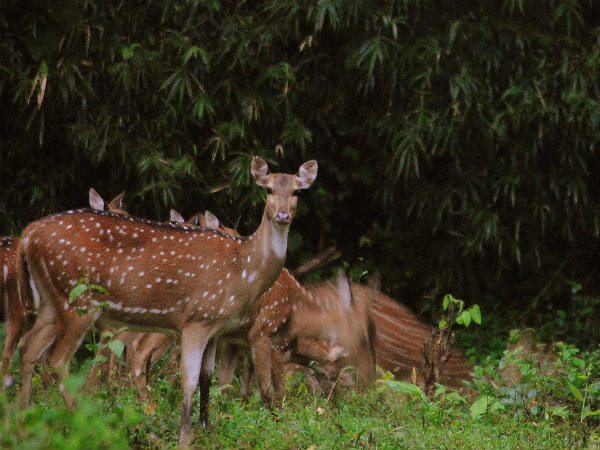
[(148, 286), (244, 273), (158, 280), (69, 226), (97, 224), (130, 268), (120, 251), (205, 294), (252, 277), (141, 274)]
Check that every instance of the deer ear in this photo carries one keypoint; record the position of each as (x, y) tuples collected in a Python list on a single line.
[(174, 216), (259, 170), (96, 201), (211, 220), (117, 202), (307, 174), (343, 289)]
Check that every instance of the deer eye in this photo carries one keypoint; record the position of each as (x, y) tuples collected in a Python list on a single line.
[(269, 191)]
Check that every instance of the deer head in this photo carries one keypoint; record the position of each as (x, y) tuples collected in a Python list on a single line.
[(281, 201), (354, 326)]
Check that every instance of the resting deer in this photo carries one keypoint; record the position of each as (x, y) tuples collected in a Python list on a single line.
[(273, 326), (191, 281), (17, 308)]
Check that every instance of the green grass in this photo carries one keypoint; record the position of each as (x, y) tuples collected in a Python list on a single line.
[(113, 418), (385, 417)]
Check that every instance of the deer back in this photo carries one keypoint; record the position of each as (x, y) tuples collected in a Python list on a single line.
[(400, 339), (156, 274)]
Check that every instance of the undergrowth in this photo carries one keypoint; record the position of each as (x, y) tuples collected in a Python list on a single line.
[(542, 411)]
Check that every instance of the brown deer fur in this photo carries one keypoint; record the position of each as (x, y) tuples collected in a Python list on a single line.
[(13, 311), (400, 340), (19, 307), (186, 280)]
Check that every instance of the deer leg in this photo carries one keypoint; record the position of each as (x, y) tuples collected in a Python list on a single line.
[(227, 362), (14, 330), (102, 366), (278, 360), (262, 360), (246, 376), (194, 339), (208, 367), (35, 343), (140, 360), (67, 342)]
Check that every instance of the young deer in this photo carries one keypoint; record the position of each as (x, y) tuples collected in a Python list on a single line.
[(191, 281), (17, 307)]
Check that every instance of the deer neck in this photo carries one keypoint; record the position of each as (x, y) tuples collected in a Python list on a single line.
[(264, 256)]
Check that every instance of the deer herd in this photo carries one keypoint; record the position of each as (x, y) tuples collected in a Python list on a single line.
[(223, 298)]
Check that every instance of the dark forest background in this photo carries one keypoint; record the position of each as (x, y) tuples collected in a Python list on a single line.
[(457, 141)]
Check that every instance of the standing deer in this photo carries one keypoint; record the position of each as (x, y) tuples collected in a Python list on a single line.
[(17, 307), (286, 317), (191, 281)]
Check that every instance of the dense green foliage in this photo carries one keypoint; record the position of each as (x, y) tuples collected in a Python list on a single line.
[(456, 141)]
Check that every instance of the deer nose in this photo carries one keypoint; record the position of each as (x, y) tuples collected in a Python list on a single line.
[(283, 217)]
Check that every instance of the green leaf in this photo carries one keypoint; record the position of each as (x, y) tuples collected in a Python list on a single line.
[(465, 318), (480, 406), (405, 387), (95, 287), (576, 392), (485, 404), (591, 413), (76, 292), (442, 324), (116, 346), (476, 314), (446, 302)]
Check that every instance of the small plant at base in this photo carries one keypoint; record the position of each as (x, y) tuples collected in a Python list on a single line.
[(115, 345)]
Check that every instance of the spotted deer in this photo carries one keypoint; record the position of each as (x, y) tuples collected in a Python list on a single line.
[(190, 281), (284, 319), (17, 307)]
